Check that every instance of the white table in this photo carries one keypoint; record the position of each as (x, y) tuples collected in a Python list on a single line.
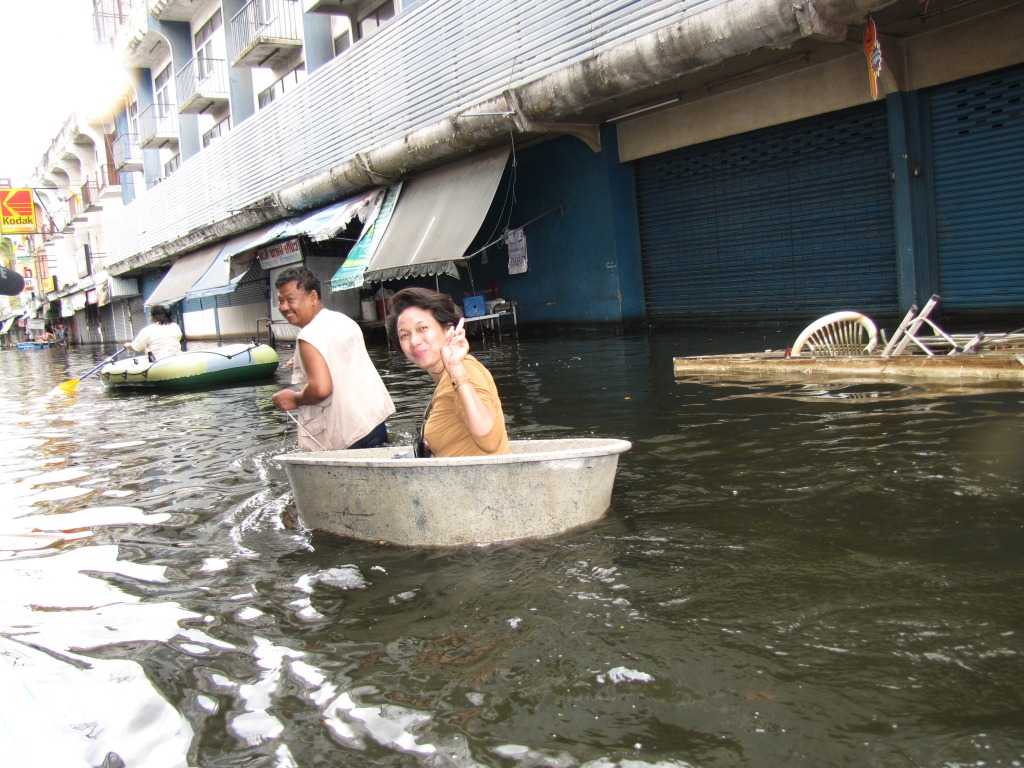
[(493, 321)]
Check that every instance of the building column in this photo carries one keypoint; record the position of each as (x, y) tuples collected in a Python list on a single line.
[(917, 272)]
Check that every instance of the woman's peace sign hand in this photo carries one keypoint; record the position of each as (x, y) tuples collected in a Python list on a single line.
[(456, 345)]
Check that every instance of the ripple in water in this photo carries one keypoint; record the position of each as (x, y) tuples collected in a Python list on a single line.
[(789, 574)]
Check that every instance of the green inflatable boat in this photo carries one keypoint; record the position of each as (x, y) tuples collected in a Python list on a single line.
[(227, 364)]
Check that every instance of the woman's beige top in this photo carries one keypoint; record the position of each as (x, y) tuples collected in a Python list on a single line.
[(446, 432)]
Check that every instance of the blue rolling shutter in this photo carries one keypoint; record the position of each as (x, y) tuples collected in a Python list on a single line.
[(793, 221), (978, 168)]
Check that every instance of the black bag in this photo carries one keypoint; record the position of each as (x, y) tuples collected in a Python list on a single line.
[(419, 447)]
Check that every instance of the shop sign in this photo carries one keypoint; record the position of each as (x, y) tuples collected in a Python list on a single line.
[(279, 254), (17, 212), (103, 293)]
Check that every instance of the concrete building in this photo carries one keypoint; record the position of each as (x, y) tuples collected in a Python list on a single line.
[(667, 162)]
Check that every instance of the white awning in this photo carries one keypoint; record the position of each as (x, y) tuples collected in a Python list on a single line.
[(183, 275), (246, 241), (325, 223), (437, 216), (231, 264), (7, 324)]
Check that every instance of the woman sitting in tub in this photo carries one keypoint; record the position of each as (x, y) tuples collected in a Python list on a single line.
[(465, 416)]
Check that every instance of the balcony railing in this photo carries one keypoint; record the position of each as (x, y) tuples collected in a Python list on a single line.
[(64, 216), (76, 209), (123, 27), (127, 153), (201, 83), (108, 16), (90, 195), (47, 229), (108, 181), (104, 183), (265, 31), (158, 125)]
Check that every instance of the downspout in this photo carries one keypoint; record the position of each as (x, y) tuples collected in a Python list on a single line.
[(724, 31)]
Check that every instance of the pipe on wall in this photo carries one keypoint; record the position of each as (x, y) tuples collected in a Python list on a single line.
[(724, 31)]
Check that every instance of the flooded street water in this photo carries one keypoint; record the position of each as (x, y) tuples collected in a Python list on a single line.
[(789, 574)]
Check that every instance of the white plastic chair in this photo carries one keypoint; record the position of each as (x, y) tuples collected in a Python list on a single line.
[(840, 334)]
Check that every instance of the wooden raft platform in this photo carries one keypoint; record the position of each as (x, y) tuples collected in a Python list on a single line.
[(981, 367)]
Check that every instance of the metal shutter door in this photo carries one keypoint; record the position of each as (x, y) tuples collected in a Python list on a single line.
[(123, 330), (246, 294), (108, 324), (792, 221), (255, 293), (978, 167), (138, 317)]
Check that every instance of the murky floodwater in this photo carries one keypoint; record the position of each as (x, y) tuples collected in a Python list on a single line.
[(789, 575)]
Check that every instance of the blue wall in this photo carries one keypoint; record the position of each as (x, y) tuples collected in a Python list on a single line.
[(584, 265)]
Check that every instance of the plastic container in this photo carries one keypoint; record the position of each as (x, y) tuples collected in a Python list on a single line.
[(473, 306)]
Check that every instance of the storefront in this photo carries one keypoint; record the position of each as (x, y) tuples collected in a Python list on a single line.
[(795, 220), (977, 137)]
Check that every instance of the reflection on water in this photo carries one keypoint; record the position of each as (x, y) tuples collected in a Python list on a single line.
[(801, 574)]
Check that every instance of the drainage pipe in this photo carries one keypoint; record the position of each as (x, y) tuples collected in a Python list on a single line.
[(724, 31)]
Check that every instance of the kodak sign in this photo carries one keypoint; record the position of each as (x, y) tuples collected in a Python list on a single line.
[(17, 212)]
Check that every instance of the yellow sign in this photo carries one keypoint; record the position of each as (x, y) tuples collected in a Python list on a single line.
[(17, 212)]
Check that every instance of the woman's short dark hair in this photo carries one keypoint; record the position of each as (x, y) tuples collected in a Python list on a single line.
[(440, 305), (160, 314), (305, 280)]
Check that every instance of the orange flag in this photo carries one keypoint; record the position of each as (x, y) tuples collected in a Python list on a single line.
[(873, 51)]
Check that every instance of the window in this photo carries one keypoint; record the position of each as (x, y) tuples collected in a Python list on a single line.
[(285, 84), (209, 46), (215, 133), (172, 165), (163, 92), (375, 19), (342, 42), (205, 33), (133, 121), (341, 33)]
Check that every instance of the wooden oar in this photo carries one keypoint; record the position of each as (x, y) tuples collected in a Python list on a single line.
[(71, 385)]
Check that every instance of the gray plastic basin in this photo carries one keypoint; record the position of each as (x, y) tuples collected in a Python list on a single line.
[(542, 488)]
